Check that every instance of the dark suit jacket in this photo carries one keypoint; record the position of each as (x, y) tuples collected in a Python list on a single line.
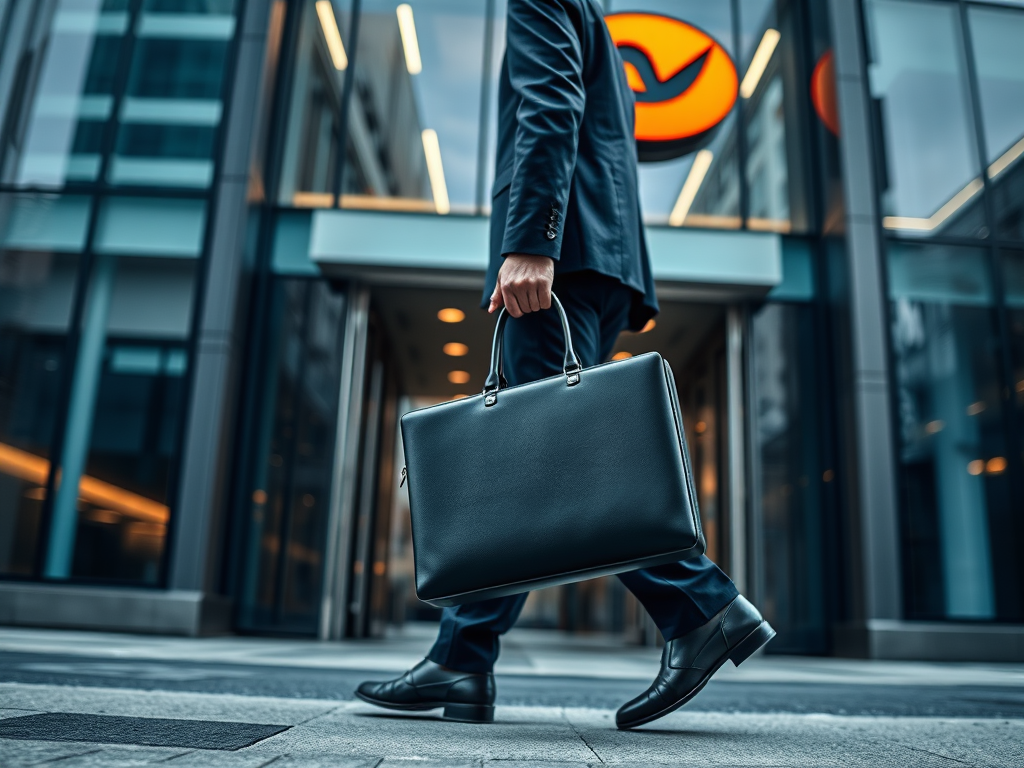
[(566, 179)]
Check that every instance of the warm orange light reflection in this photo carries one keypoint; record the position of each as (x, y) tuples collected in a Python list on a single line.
[(828, 475), (700, 427), (455, 349), (451, 315), (458, 377), (622, 355), (976, 467), (996, 466), (649, 326), (35, 469)]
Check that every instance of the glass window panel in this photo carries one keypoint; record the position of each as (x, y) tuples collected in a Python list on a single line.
[(953, 460), (716, 202), (36, 295), (309, 167), (172, 106), (122, 437), (932, 184), (772, 116), (44, 222), (62, 138), (290, 480), (151, 226), (791, 473), (414, 121), (997, 35), (1013, 271)]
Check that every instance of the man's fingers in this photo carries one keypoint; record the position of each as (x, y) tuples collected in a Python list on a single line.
[(545, 296), (533, 297), (511, 304), (496, 299)]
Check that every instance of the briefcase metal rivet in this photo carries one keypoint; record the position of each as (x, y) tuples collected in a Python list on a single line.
[(573, 378), (491, 399)]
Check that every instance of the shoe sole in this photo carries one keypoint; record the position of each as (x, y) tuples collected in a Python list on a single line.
[(458, 713), (743, 650)]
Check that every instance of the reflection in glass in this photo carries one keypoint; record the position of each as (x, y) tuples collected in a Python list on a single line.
[(414, 122), (36, 294), (791, 474), (287, 495), (172, 105), (999, 56), (310, 164), (953, 458), (764, 108), (112, 506), (70, 102), (1013, 287), (917, 75)]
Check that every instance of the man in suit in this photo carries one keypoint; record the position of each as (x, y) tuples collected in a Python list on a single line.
[(566, 216)]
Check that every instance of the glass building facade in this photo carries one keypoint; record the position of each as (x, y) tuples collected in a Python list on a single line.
[(239, 238)]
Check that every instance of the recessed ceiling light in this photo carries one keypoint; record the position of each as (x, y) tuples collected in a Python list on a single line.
[(458, 377), (451, 315), (455, 349)]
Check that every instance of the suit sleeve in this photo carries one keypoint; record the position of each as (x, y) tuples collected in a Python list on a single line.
[(545, 66)]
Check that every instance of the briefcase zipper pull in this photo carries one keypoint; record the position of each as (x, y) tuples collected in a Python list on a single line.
[(405, 474)]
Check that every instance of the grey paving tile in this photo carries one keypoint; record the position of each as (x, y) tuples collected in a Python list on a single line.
[(325, 761), (122, 757), (978, 742), (16, 754), (523, 733), (5, 713), (204, 759), (165, 704)]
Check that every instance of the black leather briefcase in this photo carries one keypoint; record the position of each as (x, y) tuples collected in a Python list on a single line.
[(574, 476)]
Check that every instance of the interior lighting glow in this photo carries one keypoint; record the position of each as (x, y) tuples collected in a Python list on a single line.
[(648, 326), (1004, 161), (975, 408), (458, 377), (759, 63), (976, 467), (934, 427), (828, 475), (35, 469), (939, 217), (407, 28), (459, 396), (332, 35), (622, 355), (1020, 385), (455, 349), (996, 466), (451, 315), (432, 150), (698, 170)]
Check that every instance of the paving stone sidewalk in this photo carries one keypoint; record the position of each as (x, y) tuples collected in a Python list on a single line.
[(351, 735)]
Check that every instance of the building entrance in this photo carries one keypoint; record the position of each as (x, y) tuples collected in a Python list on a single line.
[(440, 342)]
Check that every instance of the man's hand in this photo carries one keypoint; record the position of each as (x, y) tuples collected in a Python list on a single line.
[(524, 284)]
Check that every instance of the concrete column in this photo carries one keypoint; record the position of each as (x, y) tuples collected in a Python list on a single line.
[(874, 554), (200, 514)]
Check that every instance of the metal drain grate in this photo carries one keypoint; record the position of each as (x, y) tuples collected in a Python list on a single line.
[(148, 731)]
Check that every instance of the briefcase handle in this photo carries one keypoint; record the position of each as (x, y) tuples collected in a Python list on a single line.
[(571, 366)]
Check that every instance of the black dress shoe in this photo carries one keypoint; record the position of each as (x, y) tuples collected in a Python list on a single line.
[(466, 697), (688, 662)]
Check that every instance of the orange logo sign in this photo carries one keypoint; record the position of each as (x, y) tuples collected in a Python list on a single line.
[(823, 91), (684, 82)]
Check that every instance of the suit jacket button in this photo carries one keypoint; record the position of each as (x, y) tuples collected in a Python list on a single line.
[(551, 234)]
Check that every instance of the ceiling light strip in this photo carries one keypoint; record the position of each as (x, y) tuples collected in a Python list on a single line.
[(759, 63), (407, 28), (332, 35), (432, 150), (688, 193)]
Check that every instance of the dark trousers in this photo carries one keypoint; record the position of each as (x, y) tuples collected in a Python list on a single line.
[(679, 596)]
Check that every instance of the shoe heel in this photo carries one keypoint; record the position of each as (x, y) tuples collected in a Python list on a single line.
[(751, 643), (469, 713)]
